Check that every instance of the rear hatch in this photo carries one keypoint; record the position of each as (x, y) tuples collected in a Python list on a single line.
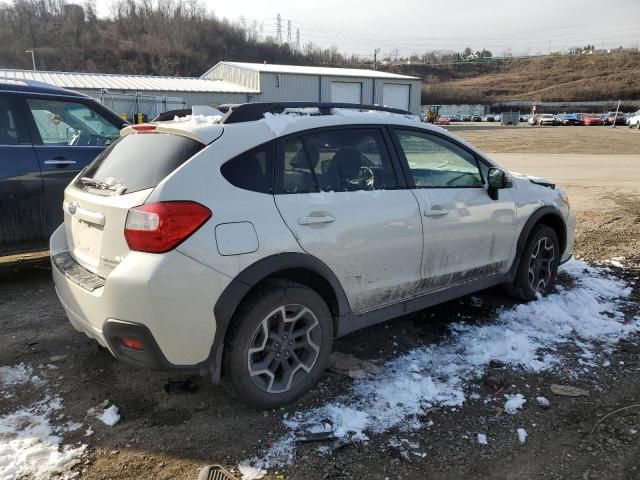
[(96, 204)]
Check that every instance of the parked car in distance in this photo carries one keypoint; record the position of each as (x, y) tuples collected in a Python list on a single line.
[(634, 120), (466, 118), (489, 118), (497, 118), (546, 119), (245, 253), (443, 120), (47, 135), (454, 118), (569, 119), (614, 118), (476, 118), (592, 119)]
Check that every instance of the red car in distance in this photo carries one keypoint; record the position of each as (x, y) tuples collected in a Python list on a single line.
[(592, 120), (442, 120)]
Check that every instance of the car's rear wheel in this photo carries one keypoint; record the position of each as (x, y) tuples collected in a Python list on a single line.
[(538, 266), (282, 338)]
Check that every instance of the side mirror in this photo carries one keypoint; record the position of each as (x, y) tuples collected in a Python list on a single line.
[(496, 180)]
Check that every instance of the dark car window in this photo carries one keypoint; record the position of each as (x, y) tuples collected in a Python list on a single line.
[(251, 170), (70, 123), (436, 162), (139, 161), (336, 160), (12, 129)]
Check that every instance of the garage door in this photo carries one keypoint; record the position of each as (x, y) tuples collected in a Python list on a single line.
[(346, 92), (396, 95)]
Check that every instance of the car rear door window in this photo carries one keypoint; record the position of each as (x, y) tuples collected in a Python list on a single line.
[(70, 123), (335, 160), (251, 170), (436, 162)]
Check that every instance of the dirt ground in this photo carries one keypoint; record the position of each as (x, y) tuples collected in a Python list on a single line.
[(170, 436)]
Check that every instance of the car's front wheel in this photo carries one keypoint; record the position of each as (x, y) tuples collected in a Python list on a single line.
[(538, 266), (281, 340)]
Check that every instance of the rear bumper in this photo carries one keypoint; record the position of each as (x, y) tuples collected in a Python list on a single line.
[(165, 301)]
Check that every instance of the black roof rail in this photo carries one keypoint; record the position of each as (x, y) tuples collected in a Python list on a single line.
[(248, 112)]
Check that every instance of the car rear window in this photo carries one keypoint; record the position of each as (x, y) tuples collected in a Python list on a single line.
[(137, 162)]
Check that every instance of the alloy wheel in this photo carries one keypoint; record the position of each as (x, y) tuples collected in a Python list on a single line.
[(541, 264), (284, 348)]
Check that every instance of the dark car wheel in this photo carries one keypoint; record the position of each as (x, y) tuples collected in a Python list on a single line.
[(282, 338), (538, 266)]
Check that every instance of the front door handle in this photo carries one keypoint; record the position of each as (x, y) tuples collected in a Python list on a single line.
[(435, 212), (60, 162), (316, 220)]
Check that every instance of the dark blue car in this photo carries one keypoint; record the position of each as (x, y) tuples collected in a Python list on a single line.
[(47, 135)]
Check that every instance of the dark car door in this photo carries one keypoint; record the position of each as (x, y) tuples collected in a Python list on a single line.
[(21, 206), (68, 134)]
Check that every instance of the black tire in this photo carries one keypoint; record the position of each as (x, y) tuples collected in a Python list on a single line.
[(522, 287), (254, 328)]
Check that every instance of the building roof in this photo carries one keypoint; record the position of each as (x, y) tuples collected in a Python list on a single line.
[(329, 71), (97, 81)]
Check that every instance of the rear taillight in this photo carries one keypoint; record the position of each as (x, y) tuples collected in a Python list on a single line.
[(162, 226)]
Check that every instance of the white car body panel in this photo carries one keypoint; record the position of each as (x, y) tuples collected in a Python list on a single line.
[(473, 239), (373, 245)]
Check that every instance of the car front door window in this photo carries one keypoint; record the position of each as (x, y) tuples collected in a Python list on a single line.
[(70, 123), (435, 162)]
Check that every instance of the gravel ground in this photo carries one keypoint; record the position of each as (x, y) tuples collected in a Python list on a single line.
[(170, 436)]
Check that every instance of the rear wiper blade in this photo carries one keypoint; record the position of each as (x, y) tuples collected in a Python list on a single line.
[(91, 182)]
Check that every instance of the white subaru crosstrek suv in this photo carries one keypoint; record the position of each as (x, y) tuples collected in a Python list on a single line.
[(242, 245)]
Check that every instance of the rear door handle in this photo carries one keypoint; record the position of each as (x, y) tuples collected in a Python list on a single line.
[(435, 212), (316, 220)]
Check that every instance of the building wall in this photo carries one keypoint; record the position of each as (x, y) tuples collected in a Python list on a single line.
[(282, 87)]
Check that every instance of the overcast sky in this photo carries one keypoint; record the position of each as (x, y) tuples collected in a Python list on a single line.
[(359, 26)]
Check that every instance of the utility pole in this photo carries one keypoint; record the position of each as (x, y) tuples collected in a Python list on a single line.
[(279, 30), (375, 58), (298, 39), (33, 58), (289, 32)]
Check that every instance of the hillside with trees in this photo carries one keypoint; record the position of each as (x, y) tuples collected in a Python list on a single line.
[(168, 37)]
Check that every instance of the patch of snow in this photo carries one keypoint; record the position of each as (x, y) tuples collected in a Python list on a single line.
[(110, 416), (19, 375), (278, 122), (522, 435), (543, 402), (88, 432), (30, 444), (250, 473), (514, 403), (617, 262), (526, 336), (482, 439)]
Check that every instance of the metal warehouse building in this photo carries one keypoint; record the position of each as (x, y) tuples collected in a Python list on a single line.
[(235, 82), (321, 84), (150, 95)]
